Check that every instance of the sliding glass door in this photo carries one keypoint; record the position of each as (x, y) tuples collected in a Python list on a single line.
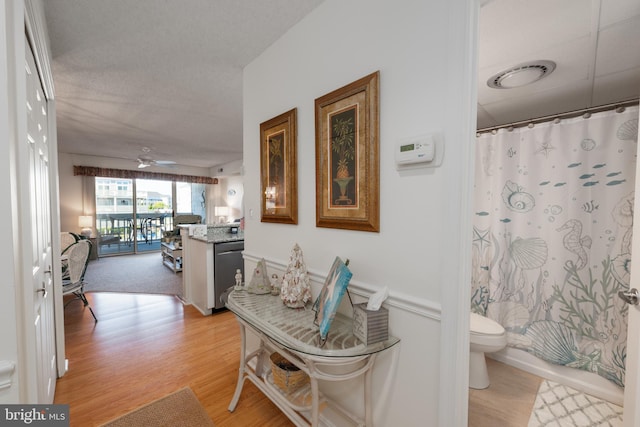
[(154, 213), (125, 226), (114, 215)]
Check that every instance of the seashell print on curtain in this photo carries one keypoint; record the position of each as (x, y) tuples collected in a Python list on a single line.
[(552, 238)]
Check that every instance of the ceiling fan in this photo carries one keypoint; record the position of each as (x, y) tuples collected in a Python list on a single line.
[(144, 162)]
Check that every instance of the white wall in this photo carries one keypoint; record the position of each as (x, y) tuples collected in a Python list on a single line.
[(229, 192), (70, 194), (416, 45)]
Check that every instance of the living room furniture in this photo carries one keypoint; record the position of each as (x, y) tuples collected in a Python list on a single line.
[(66, 240), (172, 256), (77, 258), (173, 235), (292, 333), (93, 255)]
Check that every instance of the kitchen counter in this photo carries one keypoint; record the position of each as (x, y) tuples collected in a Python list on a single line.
[(227, 237), (211, 255), (216, 233)]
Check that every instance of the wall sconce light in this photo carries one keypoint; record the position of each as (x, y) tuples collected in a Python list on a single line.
[(270, 192), (270, 197), (86, 223)]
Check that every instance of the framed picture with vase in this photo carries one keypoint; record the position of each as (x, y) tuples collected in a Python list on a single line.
[(347, 156)]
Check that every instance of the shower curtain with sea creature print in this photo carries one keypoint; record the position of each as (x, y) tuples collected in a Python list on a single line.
[(552, 237)]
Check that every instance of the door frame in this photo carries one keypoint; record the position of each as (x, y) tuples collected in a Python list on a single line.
[(455, 300), (36, 31), (25, 23), (631, 415), (455, 291)]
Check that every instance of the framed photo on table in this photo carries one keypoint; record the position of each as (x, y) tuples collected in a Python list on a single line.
[(347, 157), (330, 296), (278, 169)]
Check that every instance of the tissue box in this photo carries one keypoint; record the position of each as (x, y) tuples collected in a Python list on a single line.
[(370, 326)]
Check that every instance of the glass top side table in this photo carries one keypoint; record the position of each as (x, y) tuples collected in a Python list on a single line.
[(292, 333)]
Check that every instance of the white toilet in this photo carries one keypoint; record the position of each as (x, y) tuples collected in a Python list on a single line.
[(487, 336)]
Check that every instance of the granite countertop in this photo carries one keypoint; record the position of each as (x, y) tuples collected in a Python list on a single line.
[(216, 233), (220, 238)]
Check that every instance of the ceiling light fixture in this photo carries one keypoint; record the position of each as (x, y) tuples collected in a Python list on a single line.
[(521, 75)]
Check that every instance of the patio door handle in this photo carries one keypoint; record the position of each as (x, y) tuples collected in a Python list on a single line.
[(630, 297), (44, 292)]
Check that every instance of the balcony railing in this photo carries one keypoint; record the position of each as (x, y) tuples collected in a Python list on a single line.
[(121, 228)]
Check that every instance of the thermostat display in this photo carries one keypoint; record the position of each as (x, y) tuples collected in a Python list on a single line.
[(422, 150), (407, 147)]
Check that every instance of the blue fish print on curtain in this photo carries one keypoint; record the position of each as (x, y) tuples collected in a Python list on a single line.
[(552, 246)]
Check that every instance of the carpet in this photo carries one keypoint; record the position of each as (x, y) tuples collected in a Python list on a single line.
[(179, 409), (140, 273), (557, 405)]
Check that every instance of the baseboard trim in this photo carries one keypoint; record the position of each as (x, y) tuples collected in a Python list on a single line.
[(419, 306), (7, 368)]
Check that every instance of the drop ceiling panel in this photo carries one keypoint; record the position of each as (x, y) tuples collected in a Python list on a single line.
[(512, 29), (573, 64), (613, 11), (618, 47), (484, 119), (595, 44), (539, 104), (617, 87)]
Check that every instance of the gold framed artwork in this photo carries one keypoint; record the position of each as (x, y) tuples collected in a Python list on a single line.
[(347, 156), (278, 167)]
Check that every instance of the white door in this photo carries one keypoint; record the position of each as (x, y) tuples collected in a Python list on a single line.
[(42, 283), (632, 377)]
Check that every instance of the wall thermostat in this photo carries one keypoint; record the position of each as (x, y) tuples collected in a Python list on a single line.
[(416, 150)]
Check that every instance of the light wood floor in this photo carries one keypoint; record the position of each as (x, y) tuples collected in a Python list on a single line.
[(509, 399), (147, 346)]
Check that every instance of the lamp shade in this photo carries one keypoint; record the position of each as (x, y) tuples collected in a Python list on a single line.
[(86, 223), (222, 210)]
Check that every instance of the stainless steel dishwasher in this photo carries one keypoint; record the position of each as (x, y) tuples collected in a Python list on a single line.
[(227, 258)]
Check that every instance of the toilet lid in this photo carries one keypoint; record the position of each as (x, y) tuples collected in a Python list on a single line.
[(483, 325)]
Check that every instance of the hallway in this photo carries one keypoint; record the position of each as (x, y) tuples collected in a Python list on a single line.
[(147, 346)]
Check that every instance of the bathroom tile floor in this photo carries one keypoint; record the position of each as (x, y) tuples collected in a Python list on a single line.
[(508, 401)]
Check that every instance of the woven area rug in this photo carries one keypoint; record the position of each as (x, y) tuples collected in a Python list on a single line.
[(557, 405), (179, 409), (141, 273)]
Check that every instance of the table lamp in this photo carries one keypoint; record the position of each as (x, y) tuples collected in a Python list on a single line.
[(86, 223), (222, 212)]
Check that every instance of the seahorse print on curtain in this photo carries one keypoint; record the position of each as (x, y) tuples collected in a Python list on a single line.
[(552, 238)]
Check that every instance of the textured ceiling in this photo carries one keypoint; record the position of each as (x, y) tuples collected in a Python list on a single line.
[(595, 44), (167, 75), (132, 75)]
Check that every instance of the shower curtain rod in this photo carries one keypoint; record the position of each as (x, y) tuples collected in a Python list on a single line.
[(569, 114)]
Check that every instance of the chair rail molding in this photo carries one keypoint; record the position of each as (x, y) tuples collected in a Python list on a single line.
[(7, 367), (399, 300)]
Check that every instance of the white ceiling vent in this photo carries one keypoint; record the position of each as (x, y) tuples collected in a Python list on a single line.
[(521, 75)]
